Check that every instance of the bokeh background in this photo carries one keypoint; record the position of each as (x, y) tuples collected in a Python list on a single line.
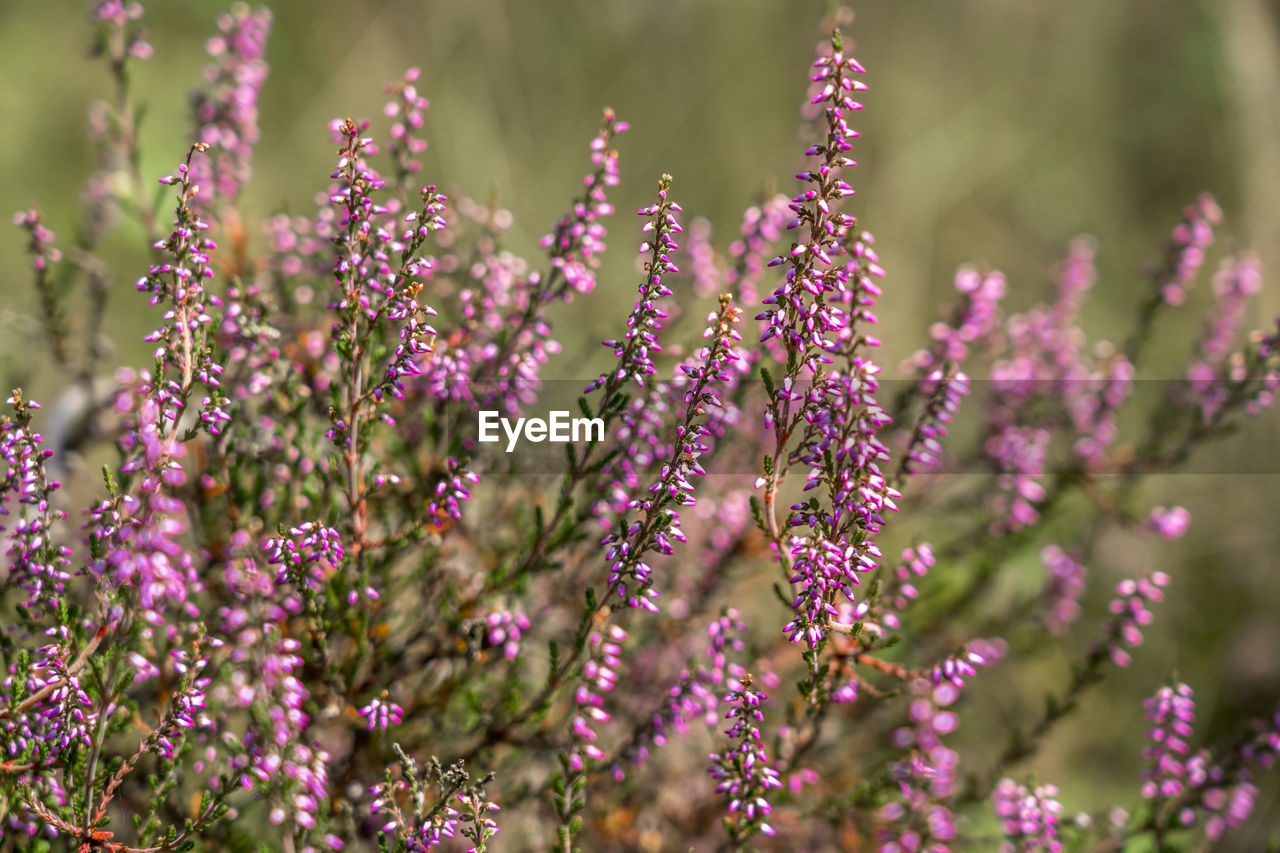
[(995, 130)]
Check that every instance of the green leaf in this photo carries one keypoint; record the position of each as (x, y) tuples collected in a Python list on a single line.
[(768, 381)]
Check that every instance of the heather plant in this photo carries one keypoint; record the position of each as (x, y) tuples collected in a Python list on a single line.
[(311, 604)]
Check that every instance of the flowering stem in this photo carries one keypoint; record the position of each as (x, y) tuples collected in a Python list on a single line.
[(566, 242), (74, 667)]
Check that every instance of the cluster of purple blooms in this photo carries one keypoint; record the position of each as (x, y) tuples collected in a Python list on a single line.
[(1198, 788), (920, 819), (300, 582), (1064, 588), (226, 112), (1130, 613), (1029, 817), (742, 773)]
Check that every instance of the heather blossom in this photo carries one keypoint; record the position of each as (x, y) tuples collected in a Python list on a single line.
[(763, 225), (180, 283), (919, 818), (1131, 611), (968, 324), (1168, 522), (1236, 281), (494, 359), (901, 590), (36, 564), (301, 611), (407, 109), (742, 771), (943, 390), (1019, 456), (503, 629), (693, 696), (381, 713), (655, 525), (600, 676), (226, 112), (125, 34), (1190, 238), (1064, 587), (837, 416), (956, 668), (1172, 712), (578, 238), (636, 349), (44, 255), (796, 312), (306, 555), (943, 384), (1029, 817)]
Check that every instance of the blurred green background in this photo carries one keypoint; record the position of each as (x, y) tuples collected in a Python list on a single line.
[(995, 130)]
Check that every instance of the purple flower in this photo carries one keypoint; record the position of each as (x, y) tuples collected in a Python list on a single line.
[(920, 819), (121, 17), (899, 592), (956, 668), (226, 112), (970, 323), (821, 230), (1172, 711), (1209, 375), (184, 354), (943, 392), (1093, 402), (1168, 522), (635, 350), (762, 227), (36, 563), (651, 522), (1019, 455), (306, 557), (44, 254), (137, 537), (599, 676), (451, 490), (578, 238), (703, 261), (407, 111), (1044, 368), (1029, 817), (1130, 613), (692, 696), (480, 828), (1190, 238), (820, 313), (503, 629), (381, 713), (64, 715), (1063, 588), (742, 771), (507, 336)]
